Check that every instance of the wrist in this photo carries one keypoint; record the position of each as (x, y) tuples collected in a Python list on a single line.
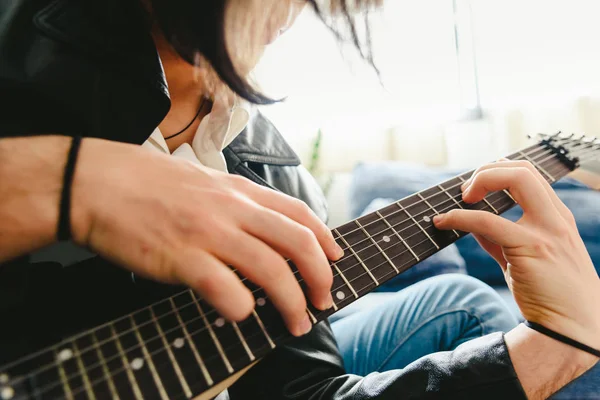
[(103, 171), (88, 188), (31, 175), (544, 365)]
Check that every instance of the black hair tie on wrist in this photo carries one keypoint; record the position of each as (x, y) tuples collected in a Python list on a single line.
[(562, 338), (64, 216)]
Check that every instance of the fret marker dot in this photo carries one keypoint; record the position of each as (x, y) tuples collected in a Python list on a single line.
[(426, 219), (220, 322), (340, 295), (178, 343), (386, 239), (3, 379), (7, 393), (261, 301), (65, 355), (137, 363)]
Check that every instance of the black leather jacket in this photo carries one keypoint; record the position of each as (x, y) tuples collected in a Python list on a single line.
[(90, 68)]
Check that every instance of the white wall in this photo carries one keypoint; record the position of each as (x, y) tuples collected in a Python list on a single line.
[(538, 64)]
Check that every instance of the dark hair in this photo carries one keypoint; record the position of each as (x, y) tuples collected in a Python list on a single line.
[(198, 26)]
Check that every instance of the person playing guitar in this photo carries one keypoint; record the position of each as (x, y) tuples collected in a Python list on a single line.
[(130, 125)]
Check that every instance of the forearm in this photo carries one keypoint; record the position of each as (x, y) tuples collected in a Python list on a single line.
[(543, 364), (31, 171)]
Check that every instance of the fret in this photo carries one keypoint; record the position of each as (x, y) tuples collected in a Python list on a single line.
[(367, 270), (484, 200), (420, 227), (539, 167), (133, 359), (454, 199), (510, 196), (227, 336), (85, 348), (182, 381), (376, 245), (83, 372), (334, 306), (112, 351), (107, 377), (387, 238), (262, 327), (366, 252), (63, 377), (186, 304), (433, 209), (243, 341), (501, 201), (212, 335), (343, 277), (560, 170), (417, 240), (70, 368), (438, 202), (251, 331), (268, 319), (311, 316), (151, 366), (45, 384), (190, 342), (160, 331), (352, 269), (533, 150)]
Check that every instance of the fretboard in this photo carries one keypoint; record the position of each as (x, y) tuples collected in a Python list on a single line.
[(181, 347)]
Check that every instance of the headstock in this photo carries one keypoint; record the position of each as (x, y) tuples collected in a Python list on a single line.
[(573, 150), (580, 153)]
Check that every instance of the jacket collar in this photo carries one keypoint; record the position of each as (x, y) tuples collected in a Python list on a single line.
[(117, 30), (262, 143)]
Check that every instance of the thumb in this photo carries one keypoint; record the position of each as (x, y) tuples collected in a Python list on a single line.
[(493, 250)]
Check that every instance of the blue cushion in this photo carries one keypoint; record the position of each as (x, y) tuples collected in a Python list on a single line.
[(390, 181)]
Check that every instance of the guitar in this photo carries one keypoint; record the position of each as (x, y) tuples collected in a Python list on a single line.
[(179, 346)]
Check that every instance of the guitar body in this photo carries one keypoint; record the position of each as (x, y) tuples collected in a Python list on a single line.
[(42, 303)]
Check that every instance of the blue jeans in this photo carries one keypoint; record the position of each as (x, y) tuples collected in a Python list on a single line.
[(387, 331)]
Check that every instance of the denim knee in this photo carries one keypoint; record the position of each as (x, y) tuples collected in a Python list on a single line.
[(476, 298)]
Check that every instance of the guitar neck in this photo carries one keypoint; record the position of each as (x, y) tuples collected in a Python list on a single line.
[(381, 245), (181, 347)]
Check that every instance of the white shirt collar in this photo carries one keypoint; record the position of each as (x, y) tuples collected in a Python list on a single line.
[(215, 132)]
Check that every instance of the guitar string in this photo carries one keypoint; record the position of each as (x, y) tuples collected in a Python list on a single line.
[(177, 328), (350, 267), (546, 151), (208, 313), (590, 150), (345, 270), (258, 333), (82, 388)]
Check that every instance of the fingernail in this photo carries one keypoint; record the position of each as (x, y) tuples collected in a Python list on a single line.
[(438, 218), (328, 302), (466, 191), (339, 251), (305, 326)]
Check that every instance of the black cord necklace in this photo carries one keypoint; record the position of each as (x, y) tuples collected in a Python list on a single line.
[(191, 122)]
